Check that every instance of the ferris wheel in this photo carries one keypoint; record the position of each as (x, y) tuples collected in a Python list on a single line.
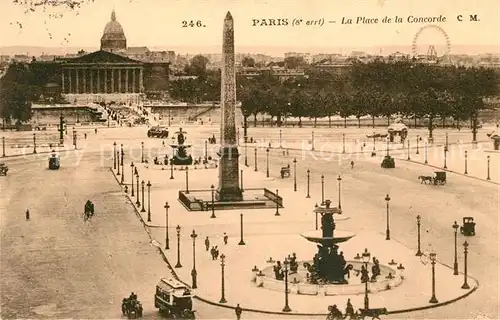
[(431, 40)]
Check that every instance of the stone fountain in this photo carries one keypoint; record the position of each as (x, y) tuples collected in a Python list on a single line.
[(180, 155)]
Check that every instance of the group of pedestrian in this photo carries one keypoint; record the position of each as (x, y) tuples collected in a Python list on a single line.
[(214, 250)]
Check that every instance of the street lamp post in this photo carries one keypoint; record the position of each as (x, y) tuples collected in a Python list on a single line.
[(308, 182), (387, 230), (34, 142), (312, 141), (465, 285), (365, 256), (446, 143), (343, 142), (488, 168), (132, 178), (277, 213), (212, 188), (419, 253), (432, 257), (142, 151), (194, 274), (267, 162), (142, 188), (339, 179), (280, 140), (167, 240), (286, 308), (373, 151), (255, 158), (118, 162), (465, 164), (408, 150), (294, 174), (425, 153), (149, 201), (222, 264), (114, 155), (322, 190), (178, 264), (246, 153), (137, 202), (241, 243), (445, 151), (3, 146), (418, 137), (172, 168), (187, 179), (387, 147), (206, 151), (455, 261), (123, 169)]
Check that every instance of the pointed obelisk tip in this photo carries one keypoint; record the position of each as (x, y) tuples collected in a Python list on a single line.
[(228, 16)]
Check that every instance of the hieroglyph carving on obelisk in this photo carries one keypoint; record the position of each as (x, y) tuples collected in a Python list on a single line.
[(229, 188)]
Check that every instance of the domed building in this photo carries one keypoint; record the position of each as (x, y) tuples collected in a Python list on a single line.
[(113, 38)]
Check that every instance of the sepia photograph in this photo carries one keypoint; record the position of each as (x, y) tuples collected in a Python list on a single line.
[(250, 159)]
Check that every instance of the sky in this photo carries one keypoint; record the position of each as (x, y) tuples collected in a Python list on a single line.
[(158, 23)]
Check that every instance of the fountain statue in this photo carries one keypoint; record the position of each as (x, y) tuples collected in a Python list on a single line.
[(329, 265), (181, 156)]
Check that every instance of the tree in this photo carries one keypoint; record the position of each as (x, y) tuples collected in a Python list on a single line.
[(248, 62), (16, 93), (197, 66), (294, 62)]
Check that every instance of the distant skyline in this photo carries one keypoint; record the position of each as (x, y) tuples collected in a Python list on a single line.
[(158, 24)]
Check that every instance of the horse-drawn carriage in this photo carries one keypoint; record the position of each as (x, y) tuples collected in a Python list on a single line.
[(469, 227), (439, 178), (131, 307), (3, 169), (285, 171), (174, 299), (54, 161)]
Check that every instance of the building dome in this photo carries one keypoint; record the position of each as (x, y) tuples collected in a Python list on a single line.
[(113, 38)]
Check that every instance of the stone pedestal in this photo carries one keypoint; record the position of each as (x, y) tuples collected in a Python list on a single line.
[(229, 187)]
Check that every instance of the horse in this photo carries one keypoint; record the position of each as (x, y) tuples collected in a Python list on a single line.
[(373, 313), (424, 179)]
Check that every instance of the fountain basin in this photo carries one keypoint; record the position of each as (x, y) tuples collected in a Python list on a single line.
[(338, 237)]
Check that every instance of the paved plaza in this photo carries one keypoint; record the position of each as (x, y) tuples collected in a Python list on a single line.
[(114, 254)]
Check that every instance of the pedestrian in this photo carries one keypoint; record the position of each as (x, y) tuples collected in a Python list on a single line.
[(27, 214), (225, 238), (216, 252), (352, 164), (238, 311), (95, 130), (85, 135), (207, 243), (212, 252)]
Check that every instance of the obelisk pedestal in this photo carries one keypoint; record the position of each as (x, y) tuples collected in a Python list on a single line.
[(229, 187)]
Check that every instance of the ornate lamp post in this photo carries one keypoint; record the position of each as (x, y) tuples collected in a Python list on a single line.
[(34, 142), (142, 151), (212, 188), (294, 174), (387, 230), (446, 143), (308, 182), (455, 262), (118, 162), (3, 146), (123, 169), (172, 168), (246, 153), (425, 153), (206, 151), (137, 202), (255, 158), (373, 151), (465, 285), (418, 137), (419, 253), (114, 155), (132, 178), (365, 256), (312, 141), (267, 162), (343, 142), (465, 164), (408, 150), (445, 151), (193, 272), (222, 264), (488, 168), (167, 240), (142, 189), (187, 179), (387, 147), (316, 214), (286, 308), (322, 190), (277, 213), (432, 257), (178, 264), (241, 243), (149, 201), (339, 179)]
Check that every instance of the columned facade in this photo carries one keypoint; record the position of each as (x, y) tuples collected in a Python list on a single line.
[(101, 79)]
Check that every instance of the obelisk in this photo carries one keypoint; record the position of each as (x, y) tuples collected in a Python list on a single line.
[(229, 187)]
